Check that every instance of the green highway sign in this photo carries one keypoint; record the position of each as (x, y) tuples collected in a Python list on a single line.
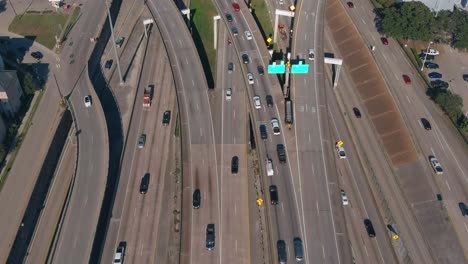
[(276, 69), (300, 68)]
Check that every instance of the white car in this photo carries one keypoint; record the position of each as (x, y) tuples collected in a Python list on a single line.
[(275, 126), (341, 152), (87, 101), (431, 52), (250, 78), (257, 103), (248, 35), (269, 167), (436, 165), (344, 198), (311, 54), (281, 2), (228, 94)]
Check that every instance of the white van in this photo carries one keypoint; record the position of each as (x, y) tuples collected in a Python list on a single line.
[(269, 167)]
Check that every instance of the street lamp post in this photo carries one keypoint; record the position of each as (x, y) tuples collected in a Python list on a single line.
[(425, 57), (114, 45)]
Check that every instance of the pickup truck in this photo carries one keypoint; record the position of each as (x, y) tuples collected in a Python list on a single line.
[(120, 253)]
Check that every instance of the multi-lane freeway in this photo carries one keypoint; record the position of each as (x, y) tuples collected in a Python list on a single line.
[(215, 145)]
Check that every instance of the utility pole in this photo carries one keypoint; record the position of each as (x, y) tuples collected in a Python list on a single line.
[(113, 44)]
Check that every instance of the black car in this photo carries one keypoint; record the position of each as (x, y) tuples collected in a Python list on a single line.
[(245, 58), (273, 194), (166, 118), (356, 111), (263, 132), (234, 30), (229, 17), (369, 228), (108, 64), (427, 58), (465, 77), (439, 83), (269, 100), (234, 165), (281, 247), (196, 199), (261, 70), (144, 183), (210, 236), (463, 209), (426, 124), (431, 65), (37, 55)]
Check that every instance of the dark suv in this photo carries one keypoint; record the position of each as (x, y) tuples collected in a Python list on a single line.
[(196, 199), (440, 84), (274, 194), (369, 228), (431, 65), (245, 58), (144, 183), (281, 153), (463, 209), (263, 131), (210, 236), (166, 118), (269, 100), (281, 247), (427, 58), (235, 165)]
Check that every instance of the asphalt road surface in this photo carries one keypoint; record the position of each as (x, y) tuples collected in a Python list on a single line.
[(199, 152)]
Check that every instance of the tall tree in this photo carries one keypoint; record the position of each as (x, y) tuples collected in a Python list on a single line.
[(409, 20)]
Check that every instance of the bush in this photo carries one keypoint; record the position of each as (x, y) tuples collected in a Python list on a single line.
[(451, 104)]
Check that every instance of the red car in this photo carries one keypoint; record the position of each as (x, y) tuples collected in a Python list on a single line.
[(407, 79), (350, 4), (236, 7), (384, 41)]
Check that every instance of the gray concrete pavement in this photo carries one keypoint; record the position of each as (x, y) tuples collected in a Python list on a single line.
[(444, 143), (284, 221), (76, 235), (324, 235), (42, 240), (199, 168), (230, 119)]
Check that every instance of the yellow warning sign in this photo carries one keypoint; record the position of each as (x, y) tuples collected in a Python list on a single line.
[(395, 237), (292, 8), (259, 201), (269, 40), (339, 143), (288, 64)]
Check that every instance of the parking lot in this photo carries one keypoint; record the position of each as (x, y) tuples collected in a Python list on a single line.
[(452, 65)]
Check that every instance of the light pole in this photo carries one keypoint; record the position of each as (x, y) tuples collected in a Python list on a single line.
[(113, 44), (425, 57)]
